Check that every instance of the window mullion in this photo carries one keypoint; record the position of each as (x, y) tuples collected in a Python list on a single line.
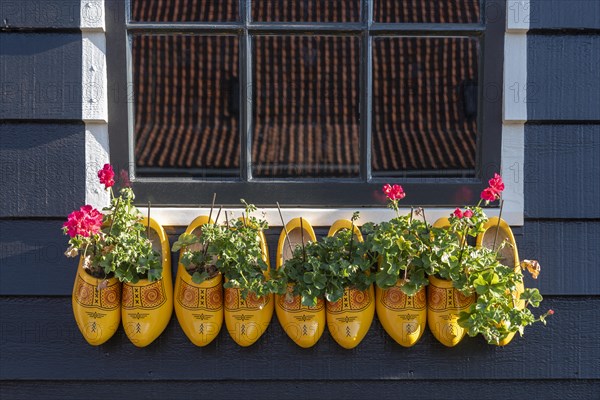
[(246, 93), (366, 90)]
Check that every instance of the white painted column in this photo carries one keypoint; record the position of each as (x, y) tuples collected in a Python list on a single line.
[(94, 112)]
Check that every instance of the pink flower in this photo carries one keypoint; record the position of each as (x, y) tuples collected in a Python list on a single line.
[(550, 312), (458, 213), (394, 192), (468, 214), (489, 194), (85, 222), (496, 183), (107, 176)]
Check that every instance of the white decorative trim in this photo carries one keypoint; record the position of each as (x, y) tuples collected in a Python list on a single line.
[(515, 78), (513, 159), (175, 216), (92, 15), (96, 155), (94, 86), (517, 15)]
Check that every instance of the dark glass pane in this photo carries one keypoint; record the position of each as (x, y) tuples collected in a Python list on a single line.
[(424, 106), (306, 10), (426, 11), (186, 105), (306, 106), (184, 10)]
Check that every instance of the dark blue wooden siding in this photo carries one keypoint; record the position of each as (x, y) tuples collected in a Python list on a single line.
[(42, 353)]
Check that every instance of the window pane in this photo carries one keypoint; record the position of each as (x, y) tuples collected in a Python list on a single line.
[(424, 105), (186, 105), (306, 106), (184, 10), (428, 11), (306, 10)]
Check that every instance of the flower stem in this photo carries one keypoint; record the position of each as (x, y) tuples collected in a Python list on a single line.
[(498, 226)]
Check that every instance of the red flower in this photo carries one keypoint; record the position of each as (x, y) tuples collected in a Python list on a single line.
[(394, 192), (489, 194), (468, 214), (107, 176), (85, 222), (496, 183), (550, 312), (458, 213)]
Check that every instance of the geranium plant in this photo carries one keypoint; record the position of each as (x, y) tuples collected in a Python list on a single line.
[(326, 267), (113, 242), (401, 246), (232, 248), (496, 313)]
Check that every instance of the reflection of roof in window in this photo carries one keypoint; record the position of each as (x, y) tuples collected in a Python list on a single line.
[(306, 98)]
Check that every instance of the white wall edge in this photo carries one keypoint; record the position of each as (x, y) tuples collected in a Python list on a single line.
[(94, 85), (96, 155), (182, 216), (515, 78), (92, 15), (513, 160), (518, 14)]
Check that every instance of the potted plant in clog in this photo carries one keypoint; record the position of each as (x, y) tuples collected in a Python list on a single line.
[(147, 301), (242, 257), (489, 276), (300, 309), (198, 284), (113, 248), (349, 291), (402, 249)]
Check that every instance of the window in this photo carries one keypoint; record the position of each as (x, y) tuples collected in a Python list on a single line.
[(306, 102)]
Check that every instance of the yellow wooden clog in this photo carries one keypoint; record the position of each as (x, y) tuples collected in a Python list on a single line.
[(304, 325), (403, 317), (97, 310), (199, 307), (509, 256), (444, 304), (350, 318), (247, 320), (147, 306)]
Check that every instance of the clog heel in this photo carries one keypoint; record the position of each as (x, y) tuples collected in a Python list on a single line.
[(147, 306), (350, 318), (444, 304), (497, 231), (248, 319), (97, 309), (304, 325), (198, 307), (403, 317)]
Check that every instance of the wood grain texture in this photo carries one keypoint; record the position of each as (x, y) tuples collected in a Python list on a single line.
[(47, 14), (569, 253), (40, 75), (563, 82), (564, 14), (562, 166), (565, 249), (39, 340), (280, 389), (43, 169)]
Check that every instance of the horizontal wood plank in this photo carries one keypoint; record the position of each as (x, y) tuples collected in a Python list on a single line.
[(564, 14), (39, 340), (40, 76), (46, 14), (562, 166), (43, 169), (567, 250), (348, 390), (563, 83)]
